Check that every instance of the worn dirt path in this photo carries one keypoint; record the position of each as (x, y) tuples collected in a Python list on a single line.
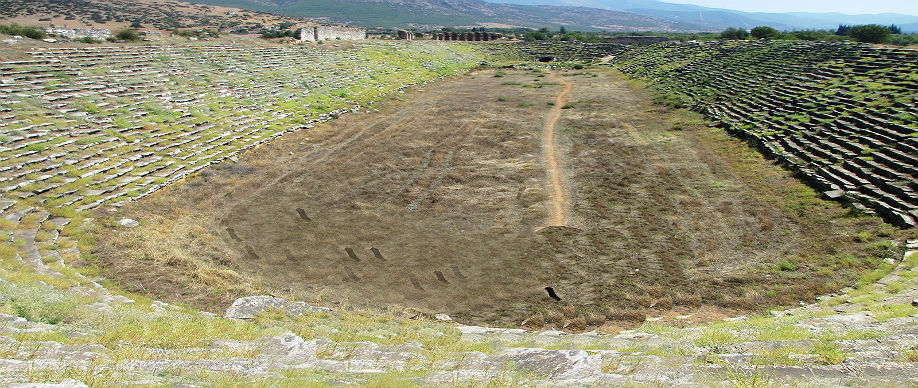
[(558, 196)]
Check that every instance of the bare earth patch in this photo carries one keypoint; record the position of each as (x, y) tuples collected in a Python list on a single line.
[(438, 202)]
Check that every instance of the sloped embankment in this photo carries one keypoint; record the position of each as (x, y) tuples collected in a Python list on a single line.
[(844, 116)]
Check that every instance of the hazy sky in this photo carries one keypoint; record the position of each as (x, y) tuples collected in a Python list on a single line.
[(908, 7)]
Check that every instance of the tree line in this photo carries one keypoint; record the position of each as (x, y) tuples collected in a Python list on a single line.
[(867, 33)]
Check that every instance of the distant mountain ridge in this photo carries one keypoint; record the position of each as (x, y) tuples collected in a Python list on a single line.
[(447, 13), (716, 18)]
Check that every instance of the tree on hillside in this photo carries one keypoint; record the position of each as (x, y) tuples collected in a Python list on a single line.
[(734, 34), (870, 33), (843, 30), (535, 35), (764, 32)]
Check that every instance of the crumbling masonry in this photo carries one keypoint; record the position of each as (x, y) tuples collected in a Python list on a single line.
[(317, 33), (465, 36)]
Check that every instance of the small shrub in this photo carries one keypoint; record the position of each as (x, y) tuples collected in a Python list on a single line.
[(499, 74), (664, 303), (568, 106), (864, 236), (595, 319), (553, 316), (686, 299), (626, 315), (502, 99), (129, 35), (643, 300), (787, 265), (653, 290), (884, 248), (577, 324), (569, 311), (536, 321)]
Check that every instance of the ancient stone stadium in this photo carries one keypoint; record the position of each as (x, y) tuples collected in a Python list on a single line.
[(438, 212)]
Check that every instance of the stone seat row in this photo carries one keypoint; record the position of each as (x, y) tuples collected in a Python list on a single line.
[(838, 134)]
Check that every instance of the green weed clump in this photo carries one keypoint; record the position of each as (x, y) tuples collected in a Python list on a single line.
[(716, 338), (755, 379), (910, 355), (829, 353), (778, 356), (38, 305)]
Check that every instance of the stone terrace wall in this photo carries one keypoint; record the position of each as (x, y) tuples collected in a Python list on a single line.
[(559, 51), (844, 116), (638, 40)]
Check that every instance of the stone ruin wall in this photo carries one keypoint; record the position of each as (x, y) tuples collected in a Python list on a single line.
[(342, 33), (316, 33), (77, 33), (546, 51), (405, 35)]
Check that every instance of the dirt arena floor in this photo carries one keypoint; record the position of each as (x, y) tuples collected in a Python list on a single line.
[(472, 196)]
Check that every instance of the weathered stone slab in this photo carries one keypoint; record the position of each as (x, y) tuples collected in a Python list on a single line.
[(556, 364), (66, 383), (248, 307)]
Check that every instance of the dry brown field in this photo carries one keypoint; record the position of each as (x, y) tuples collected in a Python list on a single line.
[(441, 200)]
